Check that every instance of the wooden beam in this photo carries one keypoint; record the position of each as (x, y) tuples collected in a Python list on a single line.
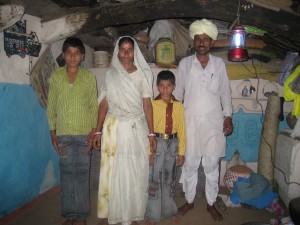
[(250, 43), (9, 15), (86, 20)]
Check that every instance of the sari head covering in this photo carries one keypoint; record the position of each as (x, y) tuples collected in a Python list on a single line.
[(204, 26), (139, 62)]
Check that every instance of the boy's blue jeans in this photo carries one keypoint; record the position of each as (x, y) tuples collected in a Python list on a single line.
[(162, 177), (74, 177)]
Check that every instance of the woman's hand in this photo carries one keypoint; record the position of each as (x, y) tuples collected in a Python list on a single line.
[(153, 144), (103, 107), (151, 160), (90, 139), (147, 104), (97, 140)]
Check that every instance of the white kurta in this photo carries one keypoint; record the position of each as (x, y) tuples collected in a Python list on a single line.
[(206, 95)]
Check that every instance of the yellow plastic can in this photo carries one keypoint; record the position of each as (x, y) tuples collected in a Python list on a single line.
[(165, 52)]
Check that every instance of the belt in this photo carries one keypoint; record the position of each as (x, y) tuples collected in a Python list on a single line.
[(166, 136)]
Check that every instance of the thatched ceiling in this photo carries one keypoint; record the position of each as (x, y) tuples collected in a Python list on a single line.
[(106, 19)]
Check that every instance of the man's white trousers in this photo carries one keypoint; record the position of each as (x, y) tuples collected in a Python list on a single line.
[(189, 177)]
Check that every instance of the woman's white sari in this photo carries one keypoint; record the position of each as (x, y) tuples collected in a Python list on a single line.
[(123, 187)]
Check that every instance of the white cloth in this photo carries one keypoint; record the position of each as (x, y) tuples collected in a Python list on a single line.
[(124, 162), (203, 26), (160, 29), (189, 177), (206, 95), (139, 62), (296, 131)]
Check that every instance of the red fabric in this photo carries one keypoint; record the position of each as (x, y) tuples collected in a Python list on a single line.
[(169, 120)]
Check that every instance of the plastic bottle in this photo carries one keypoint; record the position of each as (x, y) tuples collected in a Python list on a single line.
[(245, 91), (165, 52)]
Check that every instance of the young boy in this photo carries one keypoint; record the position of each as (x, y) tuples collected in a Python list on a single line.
[(72, 114), (169, 128)]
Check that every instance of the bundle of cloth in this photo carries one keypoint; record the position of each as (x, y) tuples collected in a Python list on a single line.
[(253, 191), (291, 92)]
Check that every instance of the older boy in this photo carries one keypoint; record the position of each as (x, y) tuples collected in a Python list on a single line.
[(169, 128), (72, 114)]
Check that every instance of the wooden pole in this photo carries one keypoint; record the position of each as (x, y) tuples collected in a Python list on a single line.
[(267, 147)]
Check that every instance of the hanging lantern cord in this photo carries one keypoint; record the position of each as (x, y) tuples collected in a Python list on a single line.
[(237, 20)]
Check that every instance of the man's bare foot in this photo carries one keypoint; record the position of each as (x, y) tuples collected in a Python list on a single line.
[(221, 204), (185, 208), (215, 214), (150, 222)]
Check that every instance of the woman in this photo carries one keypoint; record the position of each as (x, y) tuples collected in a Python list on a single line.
[(125, 125)]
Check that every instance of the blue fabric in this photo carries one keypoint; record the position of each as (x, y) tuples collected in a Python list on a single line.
[(260, 202), (29, 163), (246, 135), (251, 188)]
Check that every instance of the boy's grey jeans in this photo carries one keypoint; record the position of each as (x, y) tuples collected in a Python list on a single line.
[(162, 177), (74, 177)]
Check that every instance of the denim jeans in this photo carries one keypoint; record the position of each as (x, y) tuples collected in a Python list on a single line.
[(162, 177), (74, 177)]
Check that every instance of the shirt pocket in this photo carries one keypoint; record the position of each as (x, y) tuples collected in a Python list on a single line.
[(214, 85)]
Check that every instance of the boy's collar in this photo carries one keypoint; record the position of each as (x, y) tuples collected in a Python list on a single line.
[(158, 97)]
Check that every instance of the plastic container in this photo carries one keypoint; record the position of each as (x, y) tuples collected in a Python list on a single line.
[(165, 52), (101, 58), (245, 91)]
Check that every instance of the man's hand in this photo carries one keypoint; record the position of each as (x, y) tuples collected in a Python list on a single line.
[(180, 160), (227, 126)]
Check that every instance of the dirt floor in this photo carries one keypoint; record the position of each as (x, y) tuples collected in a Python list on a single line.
[(46, 211)]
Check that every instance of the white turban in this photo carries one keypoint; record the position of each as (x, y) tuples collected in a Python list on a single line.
[(204, 26)]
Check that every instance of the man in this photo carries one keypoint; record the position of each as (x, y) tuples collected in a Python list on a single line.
[(72, 114), (204, 87)]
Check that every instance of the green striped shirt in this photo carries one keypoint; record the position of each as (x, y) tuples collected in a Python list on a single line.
[(72, 110)]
